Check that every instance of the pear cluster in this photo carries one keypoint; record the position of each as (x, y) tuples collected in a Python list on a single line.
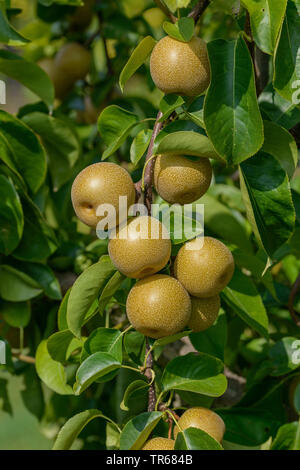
[(158, 304)]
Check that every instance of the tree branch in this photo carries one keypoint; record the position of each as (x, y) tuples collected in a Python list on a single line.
[(148, 182), (23, 358), (166, 10), (149, 171), (138, 190), (198, 9), (292, 296)]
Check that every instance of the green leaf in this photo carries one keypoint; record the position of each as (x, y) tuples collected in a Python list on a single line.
[(11, 214), (182, 30), (280, 144), (287, 437), (112, 441), (173, 5), (16, 314), (137, 430), (241, 295), (16, 286), (186, 143), (196, 439), (38, 241), (181, 225), (44, 276), (228, 195), (139, 145), (6, 155), (231, 113), (248, 426), (104, 340), (109, 290), (61, 143), (170, 339), (266, 17), (223, 222), (267, 197), (51, 372), (28, 154), (61, 345), (277, 109), (73, 427), (286, 61), (93, 368), (256, 264), (282, 356), (168, 104), (137, 58), (213, 340), (198, 373), (62, 312), (114, 125), (85, 291), (8, 35), (134, 343), (29, 74), (135, 395), (32, 395)]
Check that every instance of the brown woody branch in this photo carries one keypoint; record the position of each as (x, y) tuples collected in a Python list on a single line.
[(148, 182), (198, 9), (149, 171), (293, 294), (148, 375), (23, 358), (165, 9)]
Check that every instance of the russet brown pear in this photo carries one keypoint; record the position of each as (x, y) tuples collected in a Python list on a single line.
[(101, 183), (71, 63), (158, 306), (202, 418), (180, 180), (141, 248), (204, 270), (159, 443), (204, 312), (180, 67)]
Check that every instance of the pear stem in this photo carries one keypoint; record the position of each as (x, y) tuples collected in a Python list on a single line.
[(149, 375)]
